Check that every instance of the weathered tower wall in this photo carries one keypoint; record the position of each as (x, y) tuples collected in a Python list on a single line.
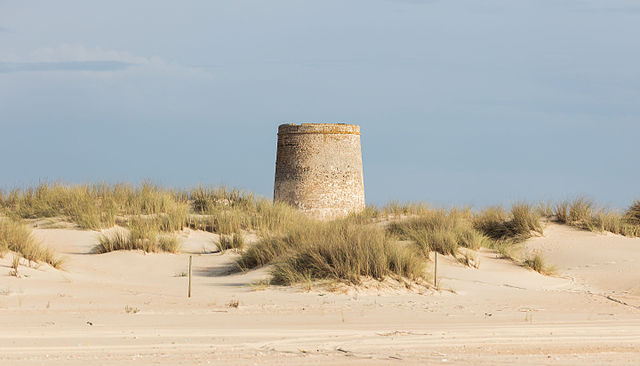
[(319, 169)]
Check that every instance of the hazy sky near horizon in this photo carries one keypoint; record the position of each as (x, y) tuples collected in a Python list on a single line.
[(460, 102)]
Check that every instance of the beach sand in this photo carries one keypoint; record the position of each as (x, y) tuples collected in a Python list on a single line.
[(125, 308)]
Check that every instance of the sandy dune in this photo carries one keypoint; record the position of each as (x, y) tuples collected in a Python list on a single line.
[(499, 314)]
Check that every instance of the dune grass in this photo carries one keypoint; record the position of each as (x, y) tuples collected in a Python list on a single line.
[(231, 242), (632, 216), (583, 213), (141, 236), (17, 237), (100, 206), (15, 264), (338, 250), (393, 240), (92, 206), (514, 226), (445, 231), (259, 215), (537, 263), (439, 230)]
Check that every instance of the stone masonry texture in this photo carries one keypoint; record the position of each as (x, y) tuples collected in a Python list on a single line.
[(319, 169)]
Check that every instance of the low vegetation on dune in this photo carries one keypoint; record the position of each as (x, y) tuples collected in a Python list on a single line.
[(140, 236), (94, 206), (439, 230), (15, 236), (149, 212), (584, 214), (445, 231), (514, 226), (632, 215), (392, 241), (231, 242), (100, 206), (338, 250), (537, 263)]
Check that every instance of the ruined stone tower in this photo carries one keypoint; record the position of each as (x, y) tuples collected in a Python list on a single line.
[(319, 169)]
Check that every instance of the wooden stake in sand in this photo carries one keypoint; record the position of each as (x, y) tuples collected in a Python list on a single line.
[(190, 261), (435, 272)]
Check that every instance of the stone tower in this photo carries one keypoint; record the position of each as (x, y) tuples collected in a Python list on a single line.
[(319, 169)]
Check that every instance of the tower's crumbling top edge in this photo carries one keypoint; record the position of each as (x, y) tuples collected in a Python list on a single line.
[(319, 128)]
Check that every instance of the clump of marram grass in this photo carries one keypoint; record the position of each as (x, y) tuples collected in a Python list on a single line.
[(515, 226), (140, 237), (231, 242), (439, 230), (15, 264), (266, 251), (632, 216), (118, 239), (537, 263), (576, 213), (338, 250), (505, 250), (15, 236), (582, 213)]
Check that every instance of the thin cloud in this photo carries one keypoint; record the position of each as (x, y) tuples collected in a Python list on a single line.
[(95, 66), (3, 29), (72, 58)]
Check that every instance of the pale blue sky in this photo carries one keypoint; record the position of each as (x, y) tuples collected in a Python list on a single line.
[(460, 102)]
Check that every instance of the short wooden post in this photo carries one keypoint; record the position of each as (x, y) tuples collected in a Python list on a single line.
[(435, 272), (190, 262)]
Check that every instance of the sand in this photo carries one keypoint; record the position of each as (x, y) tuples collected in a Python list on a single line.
[(499, 314)]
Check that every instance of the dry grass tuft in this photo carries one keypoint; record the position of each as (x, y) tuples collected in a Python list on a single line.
[(577, 212), (505, 250), (582, 213), (338, 250), (515, 226), (231, 242), (142, 237), (439, 230), (632, 216), (537, 263), (17, 237), (15, 263)]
